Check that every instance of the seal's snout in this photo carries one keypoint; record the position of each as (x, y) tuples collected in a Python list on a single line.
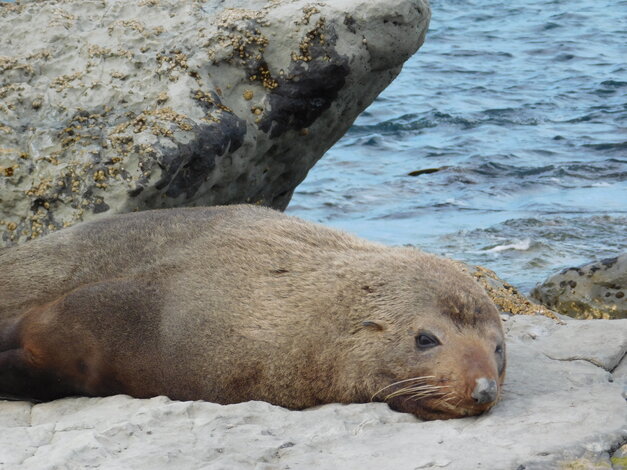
[(485, 391)]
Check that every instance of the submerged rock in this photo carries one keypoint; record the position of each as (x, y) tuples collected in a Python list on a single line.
[(595, 290), (110, 106), (561, 408)]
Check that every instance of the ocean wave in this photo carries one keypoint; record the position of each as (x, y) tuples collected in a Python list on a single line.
[(520, 245)]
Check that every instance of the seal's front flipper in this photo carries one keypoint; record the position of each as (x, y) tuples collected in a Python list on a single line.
[(97, 340), (21, 379)]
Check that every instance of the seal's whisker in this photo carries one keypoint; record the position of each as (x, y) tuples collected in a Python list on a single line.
[(449, 398), (458, 402), (400, 382), (425, 389), (406, 390), (432, 391), (446, 400), (422, 387), (416, 397), (432, 394)]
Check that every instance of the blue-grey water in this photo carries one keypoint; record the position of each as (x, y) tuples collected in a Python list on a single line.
[(523, 108)]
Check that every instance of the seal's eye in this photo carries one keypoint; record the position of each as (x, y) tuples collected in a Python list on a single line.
[(499, 349), (426, 340)]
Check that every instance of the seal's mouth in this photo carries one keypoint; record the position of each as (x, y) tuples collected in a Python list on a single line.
[(434, 409), (427, 400)]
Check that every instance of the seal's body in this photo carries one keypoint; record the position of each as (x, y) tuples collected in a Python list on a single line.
[(237, 303)]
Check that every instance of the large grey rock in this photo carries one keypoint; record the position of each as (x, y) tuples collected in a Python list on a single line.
[(109, 106), (595, 290), (560, 409)]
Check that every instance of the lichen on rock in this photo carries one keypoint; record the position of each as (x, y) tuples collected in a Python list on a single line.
[(506, 297)]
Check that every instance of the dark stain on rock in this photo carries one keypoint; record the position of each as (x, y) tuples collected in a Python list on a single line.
[(37, 203), (308, 89), (593, 269), (188, 166), (609, 262), (577, 270), (349, 22), (281, 200), (85, 127), (100, 207), (136, 192)]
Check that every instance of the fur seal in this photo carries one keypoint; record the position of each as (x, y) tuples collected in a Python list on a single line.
[(236, 303)]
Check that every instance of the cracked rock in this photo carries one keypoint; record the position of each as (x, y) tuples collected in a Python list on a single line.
[(586, 340)]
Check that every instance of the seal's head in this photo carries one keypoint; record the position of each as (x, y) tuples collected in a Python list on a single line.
[(433, 345)]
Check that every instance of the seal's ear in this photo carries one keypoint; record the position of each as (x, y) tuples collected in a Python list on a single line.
[(375, 325)]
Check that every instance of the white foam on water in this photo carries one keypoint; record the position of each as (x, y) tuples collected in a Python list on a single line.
[(521, 245)]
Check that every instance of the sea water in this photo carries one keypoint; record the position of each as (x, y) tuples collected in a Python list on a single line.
[(518, 112)]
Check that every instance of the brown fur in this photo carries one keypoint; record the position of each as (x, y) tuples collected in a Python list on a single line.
[(237, 303)]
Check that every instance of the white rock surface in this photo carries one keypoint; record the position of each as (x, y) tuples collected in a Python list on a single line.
[(559, 409), (109, 106)]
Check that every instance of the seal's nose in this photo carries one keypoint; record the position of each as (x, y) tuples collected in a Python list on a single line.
[(485, 391)]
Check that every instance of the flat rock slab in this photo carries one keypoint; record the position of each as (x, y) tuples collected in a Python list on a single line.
[(561, 407), (110, 107)]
